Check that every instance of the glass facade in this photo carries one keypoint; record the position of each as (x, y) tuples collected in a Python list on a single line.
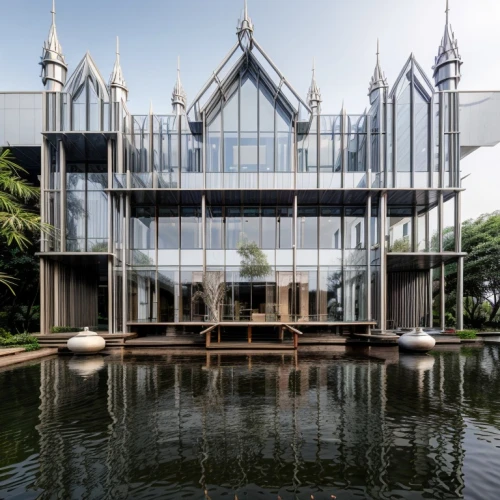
[(343, 206)]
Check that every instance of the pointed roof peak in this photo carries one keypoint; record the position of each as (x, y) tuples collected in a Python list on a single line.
[(378, 80), (314, 93), (117, 79), (448, 50), (178, 94), (244, 30), (52, 47)]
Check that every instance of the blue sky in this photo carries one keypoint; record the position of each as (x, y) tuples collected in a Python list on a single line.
[(340, 34)]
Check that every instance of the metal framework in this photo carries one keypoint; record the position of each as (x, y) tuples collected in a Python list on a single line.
[(358, 215)]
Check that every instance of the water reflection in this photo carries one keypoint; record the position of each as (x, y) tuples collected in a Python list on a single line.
[(369, 425)]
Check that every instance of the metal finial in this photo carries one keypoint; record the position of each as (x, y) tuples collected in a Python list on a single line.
[(246, 10), (118, 46), (378, 48), (151, 107), (447, 10), (314, 68)]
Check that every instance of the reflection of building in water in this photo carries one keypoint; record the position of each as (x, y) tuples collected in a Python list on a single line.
[(351, 210), (357, 422)]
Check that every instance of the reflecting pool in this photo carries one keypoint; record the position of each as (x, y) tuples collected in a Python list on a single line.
[(360, 424)]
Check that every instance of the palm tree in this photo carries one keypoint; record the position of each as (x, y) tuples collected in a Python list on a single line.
[(17, 221)]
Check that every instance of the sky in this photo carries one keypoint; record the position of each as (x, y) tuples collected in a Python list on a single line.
[(340, 34)]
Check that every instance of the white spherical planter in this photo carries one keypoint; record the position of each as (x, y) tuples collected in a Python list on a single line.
[(416, 341), (86, 342)]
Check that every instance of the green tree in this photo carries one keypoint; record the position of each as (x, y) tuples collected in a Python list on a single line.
[(17, 220), (254, 262), (481, 242)]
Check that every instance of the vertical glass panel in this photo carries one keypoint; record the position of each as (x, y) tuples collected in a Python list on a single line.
[(390, 147), (250, 226), (400, 229), (94, 108), (374, 227), (191, 227), (330, 294), (266, 151), (268, 228), (307, 227), (433, 230), (231, 114), (248, 152), (354, 228), (421, 107), (284, 151), (168, 227), (79, 115), (266, 110), (285, 227), (167, 281), (97, 221), (449, 225), (213, 145), (283, 119), (215, 228), (233, 227), (248, 96), (230, 152), (355, 293), (143, 223), (330, 228), (307, 153), (75, 225), (326, 152), (403, 132)]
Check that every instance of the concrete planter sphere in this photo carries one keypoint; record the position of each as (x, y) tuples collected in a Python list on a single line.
[(416, 341), (86, 342)]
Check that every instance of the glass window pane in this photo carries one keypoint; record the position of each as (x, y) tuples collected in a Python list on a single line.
[(215, 228), (285, 224), (233, 227), (307, 227), (190, 227), (248, 120), (251, 225), (268, 228), (330, 228), (168, 227), (403, 131), (231, 114)]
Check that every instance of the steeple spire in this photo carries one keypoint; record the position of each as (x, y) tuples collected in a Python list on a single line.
[(448, 61), (178, 95), (378, 81), (117, 82), (244, 30), (314, 94), (54, 67)]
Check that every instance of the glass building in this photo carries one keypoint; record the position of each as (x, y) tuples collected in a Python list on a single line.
[(358, 214)]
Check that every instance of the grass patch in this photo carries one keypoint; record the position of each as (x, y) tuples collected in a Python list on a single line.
[(467, 334)]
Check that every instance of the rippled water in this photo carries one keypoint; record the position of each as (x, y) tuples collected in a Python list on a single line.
[(355, 425)]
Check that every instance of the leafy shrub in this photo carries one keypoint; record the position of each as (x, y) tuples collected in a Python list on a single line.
[(64, 329), (4, 334), (21, 340), (467, 334)]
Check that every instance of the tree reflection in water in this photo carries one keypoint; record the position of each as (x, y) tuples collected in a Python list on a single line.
[(369, 425)]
